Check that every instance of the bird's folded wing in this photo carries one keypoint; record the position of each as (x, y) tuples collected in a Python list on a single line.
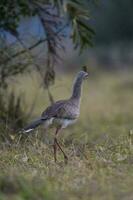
[(60, 109), (65, 113)]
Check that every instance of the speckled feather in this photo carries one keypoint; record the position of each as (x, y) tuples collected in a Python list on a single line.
[(62, 109)]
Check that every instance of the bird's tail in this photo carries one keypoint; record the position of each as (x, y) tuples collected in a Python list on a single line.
[(33, 125)]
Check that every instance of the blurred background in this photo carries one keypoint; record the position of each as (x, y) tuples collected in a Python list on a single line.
[(112, 22)]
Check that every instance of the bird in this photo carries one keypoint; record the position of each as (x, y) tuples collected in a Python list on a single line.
[(61, 113)]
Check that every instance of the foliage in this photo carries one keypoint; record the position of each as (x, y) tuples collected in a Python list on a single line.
[(12, 115), (11, 12), (82, 32), (52, 15), (7, 71), (56, 17)]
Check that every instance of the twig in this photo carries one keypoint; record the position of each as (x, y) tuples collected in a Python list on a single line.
[(34, 45)]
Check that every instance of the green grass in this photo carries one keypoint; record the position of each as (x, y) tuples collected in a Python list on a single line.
[(99, 146)]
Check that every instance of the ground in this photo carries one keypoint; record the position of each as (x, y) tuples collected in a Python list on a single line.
[(99, 145)]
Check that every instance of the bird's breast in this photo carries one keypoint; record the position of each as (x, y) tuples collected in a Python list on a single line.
[(63, 122)]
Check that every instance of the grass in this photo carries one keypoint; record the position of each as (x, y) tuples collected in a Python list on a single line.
[(99, 146)]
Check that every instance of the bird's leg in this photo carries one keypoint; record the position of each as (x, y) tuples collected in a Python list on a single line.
[(55, 149), (57, 144), (65, 156)]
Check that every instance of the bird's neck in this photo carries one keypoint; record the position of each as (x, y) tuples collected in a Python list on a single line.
[(77, 89)]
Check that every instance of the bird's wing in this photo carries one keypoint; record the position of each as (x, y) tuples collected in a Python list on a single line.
[(60, 109)]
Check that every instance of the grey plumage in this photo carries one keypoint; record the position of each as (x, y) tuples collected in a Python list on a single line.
[(63, 109), (63, 112)]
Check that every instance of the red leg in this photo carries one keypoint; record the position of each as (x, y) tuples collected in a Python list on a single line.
[(65, 156), (55, 149), (57, 144)]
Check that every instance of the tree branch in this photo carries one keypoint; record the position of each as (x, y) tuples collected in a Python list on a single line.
[(34, 45)]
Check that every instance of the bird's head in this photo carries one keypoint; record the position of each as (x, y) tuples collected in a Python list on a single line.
[(77, 84), (82, 75)]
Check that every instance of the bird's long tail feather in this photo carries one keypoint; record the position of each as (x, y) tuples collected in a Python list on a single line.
[(33, 125)]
